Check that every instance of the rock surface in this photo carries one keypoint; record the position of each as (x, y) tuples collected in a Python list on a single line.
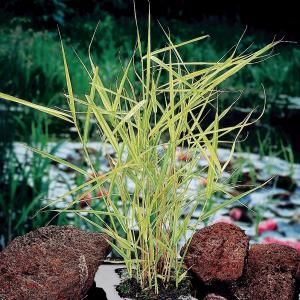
[(298, 274), (217, 253), (270, 274), (51, 263), (213, 296)]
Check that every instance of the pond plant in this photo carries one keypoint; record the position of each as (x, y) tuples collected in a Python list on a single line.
[(173, 111)]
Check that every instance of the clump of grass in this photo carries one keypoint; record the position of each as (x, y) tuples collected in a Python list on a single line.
[(146, 133)]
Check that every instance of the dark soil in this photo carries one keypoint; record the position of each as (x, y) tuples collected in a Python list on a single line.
[(96, 293), (201, 291), (130, 288)]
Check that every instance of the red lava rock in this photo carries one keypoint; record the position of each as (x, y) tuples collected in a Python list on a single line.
[(214, 297), (298, 273), (217, 253), (267, 225), (291, 243), (270, 274), (51, 263)]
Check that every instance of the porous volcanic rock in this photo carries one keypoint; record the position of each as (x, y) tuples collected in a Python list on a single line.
[(53, 263), (214, 296), (298, 274), (270, 273), (217, 253)]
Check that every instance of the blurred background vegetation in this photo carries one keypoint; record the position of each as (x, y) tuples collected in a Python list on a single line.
[(31, 68)]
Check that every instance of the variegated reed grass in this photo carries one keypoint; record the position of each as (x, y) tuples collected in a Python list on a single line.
[(158, 105)]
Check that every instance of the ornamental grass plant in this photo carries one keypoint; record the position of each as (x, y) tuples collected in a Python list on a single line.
[(157, 108)]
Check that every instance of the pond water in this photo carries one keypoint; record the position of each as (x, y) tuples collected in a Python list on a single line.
[(270, 214)]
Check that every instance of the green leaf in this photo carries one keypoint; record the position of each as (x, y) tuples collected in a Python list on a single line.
[(50, 111)]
